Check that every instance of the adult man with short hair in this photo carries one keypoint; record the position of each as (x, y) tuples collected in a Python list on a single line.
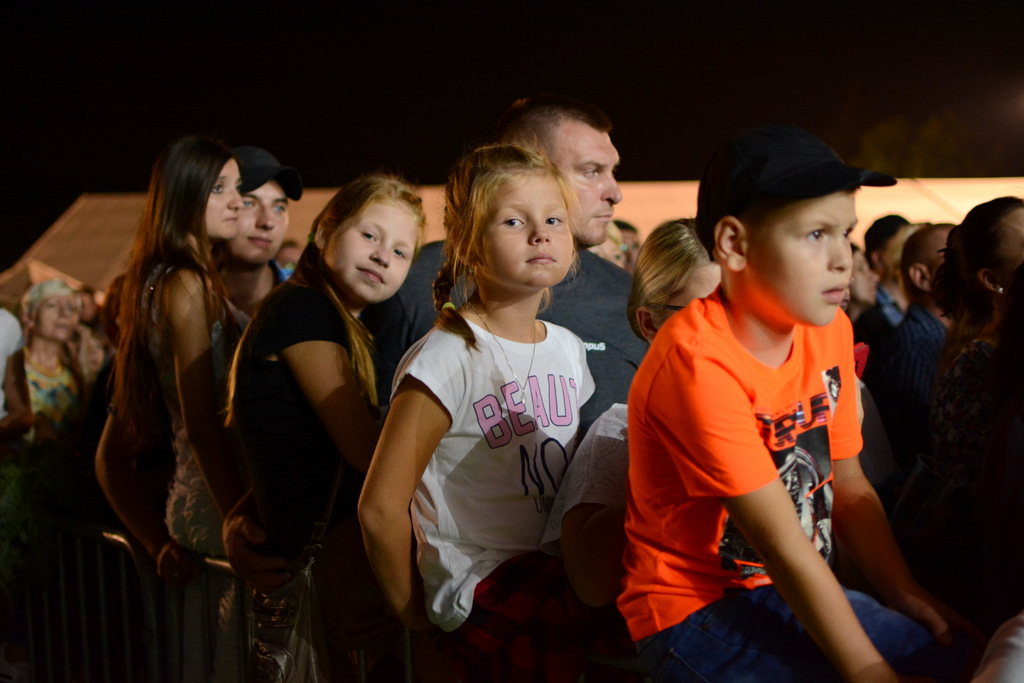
[(250, 271), (591, 302), (902, 371), (575, 136)]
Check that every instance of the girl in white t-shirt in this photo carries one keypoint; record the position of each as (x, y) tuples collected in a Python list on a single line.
[(483, 423)]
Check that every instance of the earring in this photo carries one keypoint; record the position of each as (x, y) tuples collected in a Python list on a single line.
[(1000, 290)]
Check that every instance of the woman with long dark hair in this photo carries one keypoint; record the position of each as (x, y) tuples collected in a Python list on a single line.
[(177, 335), (970, 287)]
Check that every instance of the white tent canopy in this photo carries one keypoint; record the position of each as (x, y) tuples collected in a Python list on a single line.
[(89, 244)]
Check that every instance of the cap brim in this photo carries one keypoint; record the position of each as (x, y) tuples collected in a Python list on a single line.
[(824, 179)]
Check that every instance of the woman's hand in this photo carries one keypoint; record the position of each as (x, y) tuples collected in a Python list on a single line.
[(174, 565)]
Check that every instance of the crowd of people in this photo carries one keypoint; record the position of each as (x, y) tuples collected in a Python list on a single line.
[(544, 438)]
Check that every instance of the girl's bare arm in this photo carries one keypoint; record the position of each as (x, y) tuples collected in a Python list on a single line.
[(412, 431), (324, 374)]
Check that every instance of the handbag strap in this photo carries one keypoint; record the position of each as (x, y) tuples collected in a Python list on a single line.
[(312, 549)]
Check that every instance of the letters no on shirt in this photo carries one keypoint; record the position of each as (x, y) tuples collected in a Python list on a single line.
[(543, 468)]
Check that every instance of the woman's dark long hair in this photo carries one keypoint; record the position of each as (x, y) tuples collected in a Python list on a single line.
[(171, 237), (971, 246)]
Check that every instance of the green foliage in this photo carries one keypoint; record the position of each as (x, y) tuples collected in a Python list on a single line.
[(941, 147), (36, 487)]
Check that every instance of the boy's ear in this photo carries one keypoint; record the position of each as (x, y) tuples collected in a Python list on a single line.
[(731, 242)]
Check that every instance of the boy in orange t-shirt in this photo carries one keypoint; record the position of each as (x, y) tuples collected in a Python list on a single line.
[(744, 412)]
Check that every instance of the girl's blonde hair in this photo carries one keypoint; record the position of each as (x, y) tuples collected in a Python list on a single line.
[(313, 271), (470, 194), (667, 260)]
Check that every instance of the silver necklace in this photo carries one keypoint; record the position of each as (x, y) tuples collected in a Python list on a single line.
[(533, 351)]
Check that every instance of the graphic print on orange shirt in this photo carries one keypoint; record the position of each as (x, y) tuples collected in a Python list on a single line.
[(797, 439)]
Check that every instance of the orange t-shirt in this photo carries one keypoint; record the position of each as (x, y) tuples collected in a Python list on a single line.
[(708, 421)]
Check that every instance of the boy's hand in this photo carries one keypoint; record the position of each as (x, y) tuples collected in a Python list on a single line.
[(937, 617)]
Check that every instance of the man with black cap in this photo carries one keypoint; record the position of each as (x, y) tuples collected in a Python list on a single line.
[(250, 272), (744, 436)]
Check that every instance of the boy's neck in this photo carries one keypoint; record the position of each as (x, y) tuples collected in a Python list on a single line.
[(246, 287), (768, 343)]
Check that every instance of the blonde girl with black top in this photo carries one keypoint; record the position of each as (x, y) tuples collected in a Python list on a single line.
[(303, 394)]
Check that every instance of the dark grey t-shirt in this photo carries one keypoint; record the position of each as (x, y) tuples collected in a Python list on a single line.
[(592, 304)]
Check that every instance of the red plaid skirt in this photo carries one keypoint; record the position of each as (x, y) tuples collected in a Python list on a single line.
[(527, 625)]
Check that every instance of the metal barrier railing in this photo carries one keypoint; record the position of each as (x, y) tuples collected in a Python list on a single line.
[(107, 617), (97, 620)]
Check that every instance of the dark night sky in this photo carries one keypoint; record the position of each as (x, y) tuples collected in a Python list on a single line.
[(93, 90)]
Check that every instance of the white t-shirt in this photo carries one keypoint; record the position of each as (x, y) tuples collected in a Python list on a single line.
[(488, 488), (1003, 661), (10, 342), (597, 473)]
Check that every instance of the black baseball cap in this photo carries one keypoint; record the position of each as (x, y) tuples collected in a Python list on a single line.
[(772, 161), (258, 166)]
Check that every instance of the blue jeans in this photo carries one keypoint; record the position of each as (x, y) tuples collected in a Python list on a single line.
[(754, 636)]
